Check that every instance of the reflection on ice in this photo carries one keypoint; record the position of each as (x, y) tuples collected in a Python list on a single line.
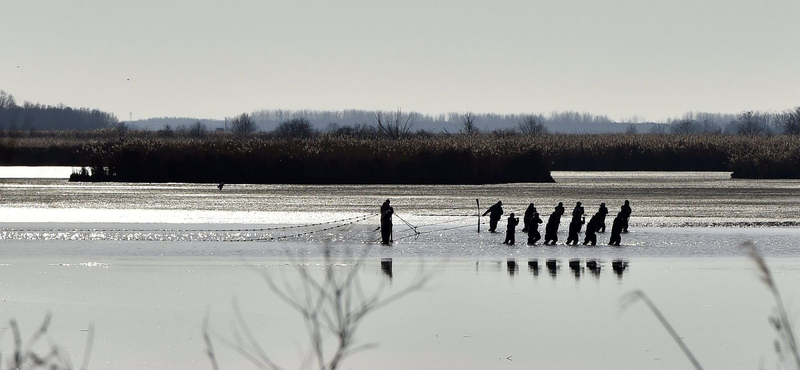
[(619, 267), (511, 266), (386, 267), (576, 267)]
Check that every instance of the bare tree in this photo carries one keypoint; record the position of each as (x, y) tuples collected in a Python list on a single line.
[(685, 126), (468, 126), (333, 304), (198, 129), (166, 131), (532, 125), (243, 125), (7, 100), (751, 123), (631, 129), (395, 125), (791, 121)]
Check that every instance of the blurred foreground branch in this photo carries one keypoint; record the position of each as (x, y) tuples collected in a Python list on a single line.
[(333, 307), (779, 320), (24, 357)]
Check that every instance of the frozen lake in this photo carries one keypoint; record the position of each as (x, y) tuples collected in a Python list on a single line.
[(143, 262)]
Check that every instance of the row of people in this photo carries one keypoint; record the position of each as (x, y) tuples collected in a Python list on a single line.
[(531, 221)]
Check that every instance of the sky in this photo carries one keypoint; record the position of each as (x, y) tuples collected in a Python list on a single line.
[(643, 59)]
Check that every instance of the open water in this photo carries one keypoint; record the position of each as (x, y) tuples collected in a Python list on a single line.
[(144, 262)]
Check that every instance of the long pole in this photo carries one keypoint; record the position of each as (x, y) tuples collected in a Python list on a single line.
[(478, 202)]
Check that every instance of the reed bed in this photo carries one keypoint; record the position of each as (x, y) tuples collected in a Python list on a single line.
[(426, 159), (333, 160)]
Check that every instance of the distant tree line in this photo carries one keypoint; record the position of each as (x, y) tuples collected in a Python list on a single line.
[(30, 116), (362, 122), (748, 123), (327, 121)]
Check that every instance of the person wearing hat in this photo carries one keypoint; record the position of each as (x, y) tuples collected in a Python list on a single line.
[(626, 214), (578, 210), (601, 218), (575, 228), (616, 230), (494, 212), (591, 230), (560, 208), (512, 224), (527, 217), (533, 228), (551, 229)]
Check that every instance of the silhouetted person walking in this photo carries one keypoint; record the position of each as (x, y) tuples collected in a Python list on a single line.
[(527, 217), (533, 229), (560, 208), (512, 224), (574, 229), (578, 210), (616, 230), (591, 230), (494, 213), (626, 214), (551, 229), (601, 218)]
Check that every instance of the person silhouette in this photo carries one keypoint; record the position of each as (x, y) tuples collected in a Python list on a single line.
[(551, 229), (533, 229), (601, 218), (386, 223), (527, 217), (575, 228), (626, 214), (560, 208), (494, 212), (616, 230), (385, 207), (512, 224), (386, 227), (591, 230), (578, 210)]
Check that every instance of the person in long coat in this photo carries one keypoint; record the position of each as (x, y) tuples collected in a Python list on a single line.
[(626, 214), (601, 220), (551, 229), (591, 230), (527, 217), (575, 228), (386, 222), (533, 229), (494, 212), (386, 227), (512, 225), (616, 230)]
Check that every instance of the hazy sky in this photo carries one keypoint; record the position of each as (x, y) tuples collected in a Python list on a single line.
[(211, 58)]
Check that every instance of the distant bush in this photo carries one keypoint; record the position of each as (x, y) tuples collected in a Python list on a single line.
[(300, 128)]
